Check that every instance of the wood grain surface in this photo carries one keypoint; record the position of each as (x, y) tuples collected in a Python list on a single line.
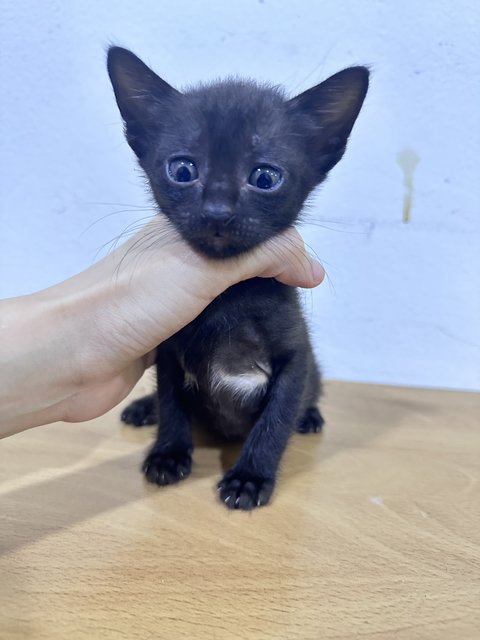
[(373, 532)]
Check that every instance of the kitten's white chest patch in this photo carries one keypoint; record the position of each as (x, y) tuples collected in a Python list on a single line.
[(191, 381), (241, 385)]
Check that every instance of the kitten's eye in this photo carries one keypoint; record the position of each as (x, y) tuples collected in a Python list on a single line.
[(265, 177), (182, 170)]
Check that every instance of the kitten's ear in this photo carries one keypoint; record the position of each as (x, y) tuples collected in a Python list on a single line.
[(334, 106), (140, 94)]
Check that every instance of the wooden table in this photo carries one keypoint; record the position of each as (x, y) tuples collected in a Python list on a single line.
[(373, 533)]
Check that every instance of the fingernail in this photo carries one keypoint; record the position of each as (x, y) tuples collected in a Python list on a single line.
[(318, 271)]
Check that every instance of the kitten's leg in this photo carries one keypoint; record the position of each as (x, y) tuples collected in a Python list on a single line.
[(170, 458), (311, 422), (141, 412), (251, 481)]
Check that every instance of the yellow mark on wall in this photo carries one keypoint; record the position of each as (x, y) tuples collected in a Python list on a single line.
[(407, 160)]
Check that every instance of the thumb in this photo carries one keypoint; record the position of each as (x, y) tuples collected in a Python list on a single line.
[(286, 259)]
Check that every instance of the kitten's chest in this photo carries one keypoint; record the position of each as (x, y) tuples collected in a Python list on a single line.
[(226, 352), (230, 354), (229, 365)]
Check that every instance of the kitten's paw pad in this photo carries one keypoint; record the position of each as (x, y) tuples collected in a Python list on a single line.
[(242, 491), (311, 422), (140, 413), (167, 468)]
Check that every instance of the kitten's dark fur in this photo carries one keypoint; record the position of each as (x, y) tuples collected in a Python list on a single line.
[(231, 164)]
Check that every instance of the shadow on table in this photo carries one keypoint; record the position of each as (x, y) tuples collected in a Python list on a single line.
[(30, 513)]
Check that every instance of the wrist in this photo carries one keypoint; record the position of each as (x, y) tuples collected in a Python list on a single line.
[(34, 374)]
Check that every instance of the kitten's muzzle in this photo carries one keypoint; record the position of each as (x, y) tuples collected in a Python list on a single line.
[(216, 235), (217, 214)]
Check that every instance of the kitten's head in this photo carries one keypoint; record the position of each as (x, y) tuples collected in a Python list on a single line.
[(231, 163)]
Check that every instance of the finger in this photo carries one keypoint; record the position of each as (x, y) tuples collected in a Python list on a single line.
[(286, 259)]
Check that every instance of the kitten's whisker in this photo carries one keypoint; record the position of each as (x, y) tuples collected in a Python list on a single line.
[(289, 251), (320, 65), (156, 238), (142, 245), (129, 230), (312, 251), (318, 224), (136, 225), (114, 213), (117, 204)]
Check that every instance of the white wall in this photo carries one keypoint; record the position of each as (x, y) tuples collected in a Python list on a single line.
[(402, 302)]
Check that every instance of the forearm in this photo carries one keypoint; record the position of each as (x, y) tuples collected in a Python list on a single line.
[(35, 364)]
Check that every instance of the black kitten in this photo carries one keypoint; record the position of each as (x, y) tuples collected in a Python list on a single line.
[(231, 164)]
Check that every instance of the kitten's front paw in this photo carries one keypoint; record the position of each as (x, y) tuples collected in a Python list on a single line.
[(167, 468), (311, 422), (244, 491), (140, 412)]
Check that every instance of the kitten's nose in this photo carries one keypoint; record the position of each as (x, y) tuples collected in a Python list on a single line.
[(219, 212)]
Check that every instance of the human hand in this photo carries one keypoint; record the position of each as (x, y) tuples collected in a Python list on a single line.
[(96, 333)]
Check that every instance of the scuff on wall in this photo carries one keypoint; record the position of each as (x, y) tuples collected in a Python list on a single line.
[(408, 160)]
